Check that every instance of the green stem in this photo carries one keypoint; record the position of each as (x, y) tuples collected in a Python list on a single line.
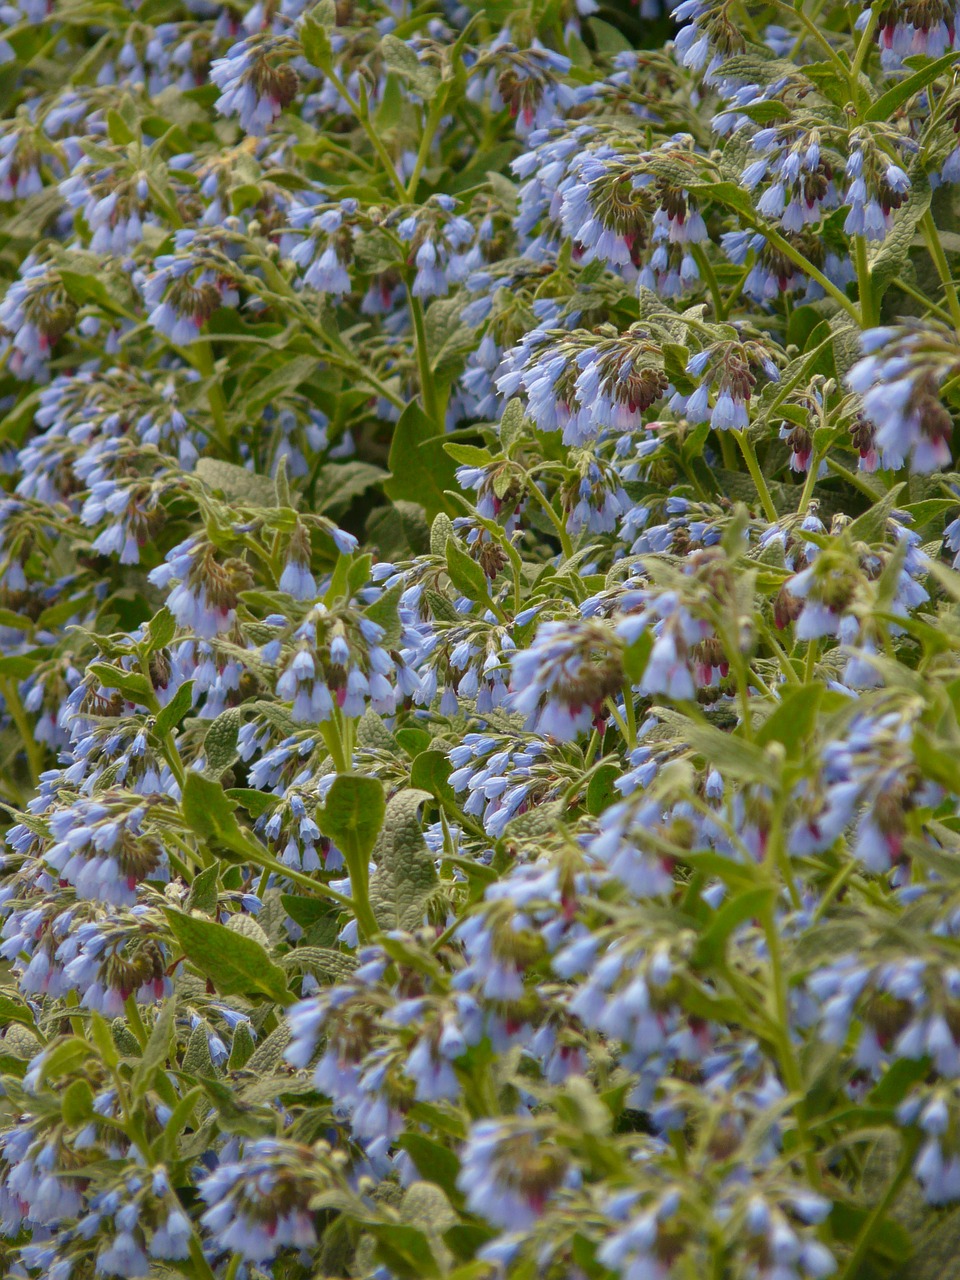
[(816, 34), (750, 457), (917, 296), (312, 885), (631, 716), (795, 256), (172, 756), (360, 895), (200, 355), (426, 142), (135, 1021), (707, 273), (363, 117), (555, 520), (809, 483), (788, 1061), (201, 1267), (854, 1264), (852, 478), (863, 48), (428, 388), (783, 658), (864, 283), (935, 248), (833, 888), (810, 666), (31, 748), (331, 735), (618, 720)]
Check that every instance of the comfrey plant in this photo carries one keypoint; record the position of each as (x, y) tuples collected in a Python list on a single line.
[(479, 640)]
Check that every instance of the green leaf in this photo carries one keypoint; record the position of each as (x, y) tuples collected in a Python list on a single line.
[(469, 455), (793, 720), (264, 388), (86, 287), (159, 1046), (734, 756), (399, 531), (204, 893), (269, 1053), (601, 793), (220, 742), (892, 251), (430, 771), (315, 41), (385, 612), (405, 874), (134, 685), (77, 1104), (178, 706), (255, 802), (405, 1250), (712, 942), (435, 1162), (118, 130), (339, 483), (420, 468), (353, 814), (243, 1047), (102, 1037), (64, 1057), (885, 107), (465, 574), (413, 740), (13, 1010), (211, 814), (512, 423), (870, 526), (441, 531), (161, 629), (608, 37), (401, 59), (237, 484), (374, 734), (636, 656), (236, 964), (306, 911), (196, 1057)]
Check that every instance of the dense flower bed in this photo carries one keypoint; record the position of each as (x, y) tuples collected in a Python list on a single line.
[(479, 639)]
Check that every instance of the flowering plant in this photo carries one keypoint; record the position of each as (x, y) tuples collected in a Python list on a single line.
[(479, 639)]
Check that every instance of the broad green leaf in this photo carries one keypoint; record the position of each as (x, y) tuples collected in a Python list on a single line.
[(405, 874), (204, 892), (234, 963), (178, 706), (161, 629), (735, 912), (430, 771), (220, 741), (352, 814), (237, 484), (211, 814), (793, 720), (420, 468), (243, 1047), (465, 574), (134, 685), (885, 107), (77, 1104), (159, 1046)]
